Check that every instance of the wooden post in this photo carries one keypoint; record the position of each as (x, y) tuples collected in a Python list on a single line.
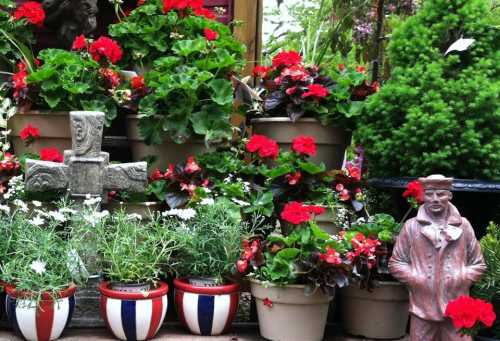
[(249, 12)]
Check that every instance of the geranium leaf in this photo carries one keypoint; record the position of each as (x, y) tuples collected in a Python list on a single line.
[(222, 91)]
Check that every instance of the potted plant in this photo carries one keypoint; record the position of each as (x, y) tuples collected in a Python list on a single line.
[(293, 277), (375, 297), (293, 98), (209, 238), (40, 273), (81, 79), (189, 98), (133, 298)]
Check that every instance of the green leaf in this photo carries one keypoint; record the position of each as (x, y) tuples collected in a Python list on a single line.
[(311, 168), (189, 46), (222, 91), (288, 254)]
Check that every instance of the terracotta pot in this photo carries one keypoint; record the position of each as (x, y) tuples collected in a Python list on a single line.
[(43, 321), (206, 310), (133, 315), (380, 314), (285, 313), (145, 209), (331, 141), (54, 131), (167, 152)]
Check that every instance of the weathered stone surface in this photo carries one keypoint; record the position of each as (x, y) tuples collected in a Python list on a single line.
[(44, 175), (130, 176)]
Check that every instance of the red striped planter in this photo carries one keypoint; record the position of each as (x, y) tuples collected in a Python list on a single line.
[(133, 315), (44, 321), (206, 310)]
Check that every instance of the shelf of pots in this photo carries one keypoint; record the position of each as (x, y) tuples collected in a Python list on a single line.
[(60, 81), (292, 98), (209, 236), (293, 276), (39, 270), (182, 96), (132, 256)]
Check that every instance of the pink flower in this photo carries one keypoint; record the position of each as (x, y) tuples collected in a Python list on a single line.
[(191, 166), (331, 256), (316, 91)]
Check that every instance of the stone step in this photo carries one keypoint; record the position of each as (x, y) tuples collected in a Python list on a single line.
[(240, 332)]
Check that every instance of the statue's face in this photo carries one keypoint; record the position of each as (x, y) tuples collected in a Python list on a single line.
[(79, 129), (89, 19), (436, 200)]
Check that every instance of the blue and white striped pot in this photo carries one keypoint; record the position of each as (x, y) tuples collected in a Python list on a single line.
[(206, 310), (42, 321), (134, 316)]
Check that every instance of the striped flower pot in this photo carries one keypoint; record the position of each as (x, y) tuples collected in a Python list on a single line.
[(43, 321), (133, 315), (206, 310)]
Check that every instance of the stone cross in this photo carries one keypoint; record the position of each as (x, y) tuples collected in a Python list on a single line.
[(86, 169)]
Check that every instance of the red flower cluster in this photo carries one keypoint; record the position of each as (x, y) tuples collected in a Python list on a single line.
[(331, 256), (158, 175), (414, 191), (297, 213), (210, 35), (9, 164), (252, 253), (111, 77), (205, 12), (360, 92), (364, 247), (51, 154), (32, 11), (265, 146), (29, 133), (267, 302), (183, 5), (316, 91), (294, 178), (304, 145), (261, 71), (106, 47), (191, 166), (19, 80), (286, 58), (79, 43), (466, 313), (138, 83)]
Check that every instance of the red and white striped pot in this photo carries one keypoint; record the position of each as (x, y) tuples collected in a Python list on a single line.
[(206, 310), (39, 321), (134, 315)]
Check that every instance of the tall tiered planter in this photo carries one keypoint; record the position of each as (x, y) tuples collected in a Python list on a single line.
[(331, 141), (286, 313), (54, 130), (39, 321), (206, 310), (383, 311), (165, 153), (133, 316)]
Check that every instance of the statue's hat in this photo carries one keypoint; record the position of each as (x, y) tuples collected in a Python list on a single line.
[(436, 181)]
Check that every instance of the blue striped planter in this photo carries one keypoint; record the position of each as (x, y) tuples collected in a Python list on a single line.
[(206, 310), (133, 315), (44, 321)]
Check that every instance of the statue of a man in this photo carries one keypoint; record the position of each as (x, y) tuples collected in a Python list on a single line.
[(438, 257)]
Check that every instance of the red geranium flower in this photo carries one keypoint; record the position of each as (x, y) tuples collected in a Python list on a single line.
[(317, 91), (304, 145), (170, 172), (360, 69), (191, 166), (205, 12), (210, 34), (286, 58), (110, 76), (137, 82), (261, 71), (294, 178), (466, 312), (295, 213), (19, 82), (79, 43), (242, 265), (265, 146), (140, 2), (29, 133), (51, 154), (331, 256), (106, 47), (32, 11), (181, 5), (415, 190), (314, 209)]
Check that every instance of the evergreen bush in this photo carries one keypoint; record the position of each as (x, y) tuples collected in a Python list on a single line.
[(438, 113)]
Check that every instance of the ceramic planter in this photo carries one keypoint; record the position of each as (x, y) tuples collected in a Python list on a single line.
[(380, 314), (133, 315), (206, 310), (43, 321), (145, 209), (165, 153), (54, 130), (331, 141), (286, 313)]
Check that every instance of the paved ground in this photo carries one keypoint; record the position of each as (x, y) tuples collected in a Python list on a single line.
[(241, 333)]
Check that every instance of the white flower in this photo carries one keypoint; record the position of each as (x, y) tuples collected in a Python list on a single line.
[(21, 204), (134, 216), (207, 201), (6, 196), (36, 203), (67, 210), (38, 266), (241, 202), (5, 209), (95, 217), (184, 214), (37, 221), (57, 215), (228, 179), (91, 201)]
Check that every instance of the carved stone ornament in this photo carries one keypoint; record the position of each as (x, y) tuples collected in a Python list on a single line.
[(86, 169)]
